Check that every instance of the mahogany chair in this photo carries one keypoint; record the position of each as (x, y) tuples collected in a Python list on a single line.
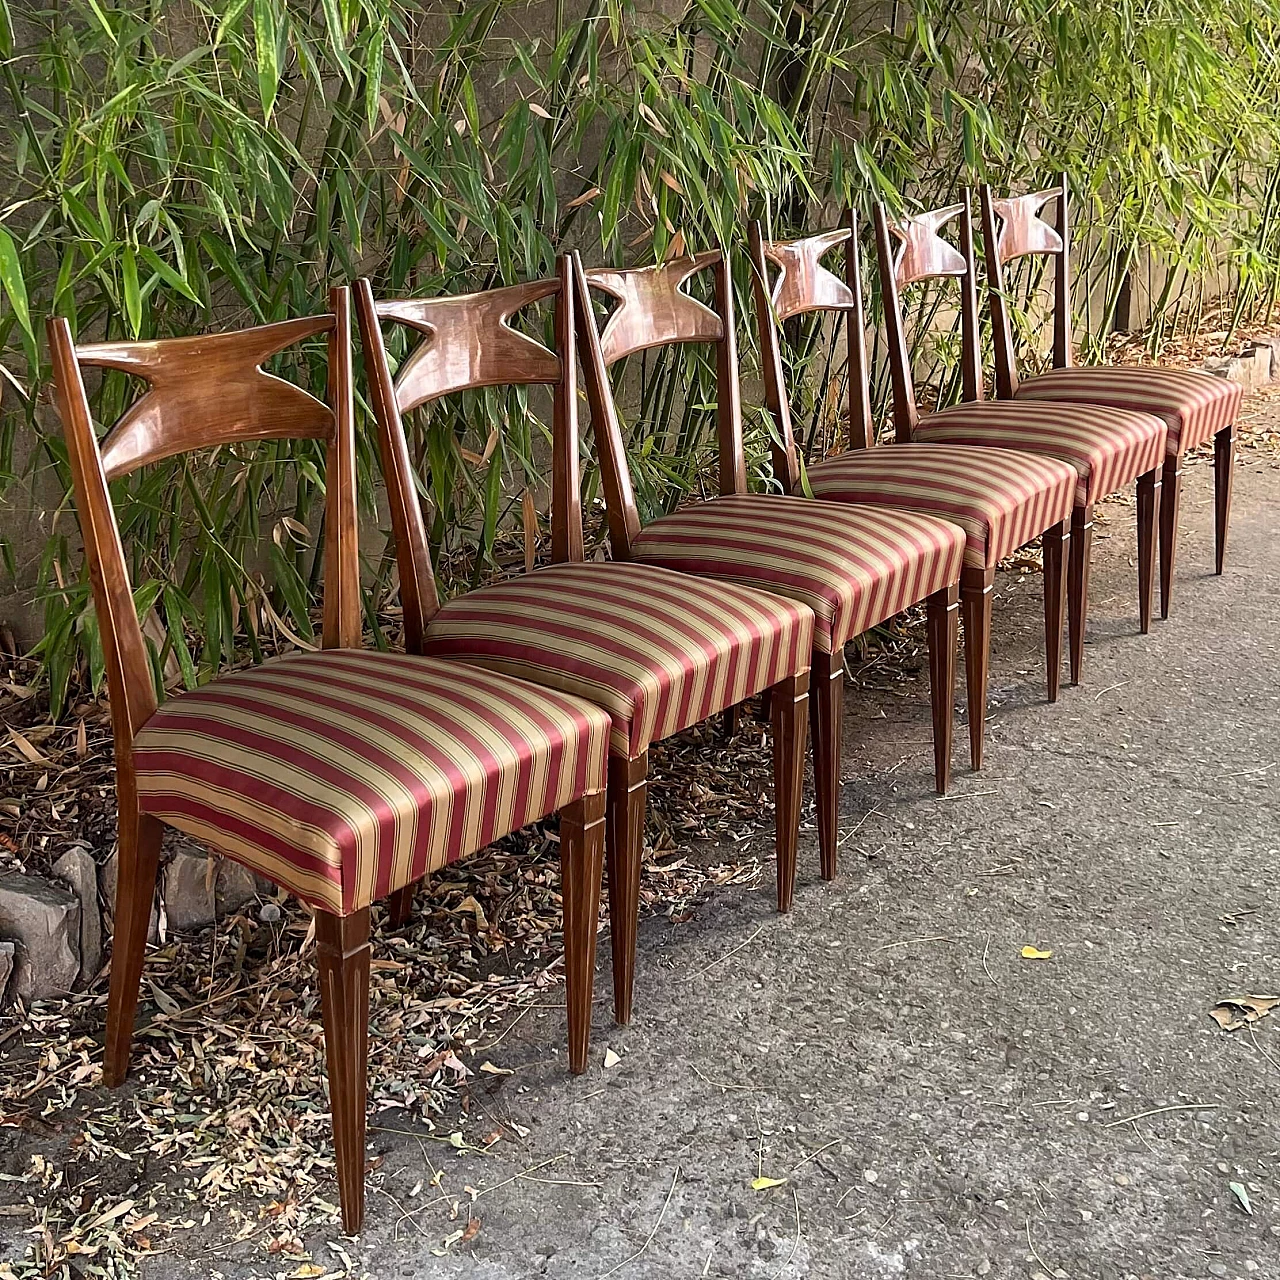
[(340, 774), (1000, 498), (659, 653), (1194, 406), (855, 567), (1108, 447)]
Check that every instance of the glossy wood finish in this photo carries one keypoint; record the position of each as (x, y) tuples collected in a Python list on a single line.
[(624, 845), (1170, 505), (1056, 542), (582, 840), (1080, 561), (342, 959), (1149, 486), (826, 722), (976, 586), (788, 712), (1223, 473), (942, 613)]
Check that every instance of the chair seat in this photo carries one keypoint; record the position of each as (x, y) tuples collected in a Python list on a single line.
[(658, 652), (853, 566), (1000, 498), (1109, 448), (344, 775), (1195, 406)]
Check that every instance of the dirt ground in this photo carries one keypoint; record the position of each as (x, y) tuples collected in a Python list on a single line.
[(879, 1084)]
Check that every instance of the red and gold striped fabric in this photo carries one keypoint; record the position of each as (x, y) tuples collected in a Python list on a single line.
[(1000, 498), (344, 775), (657, 651), (853, 566), (1195, 406), (1109, 448)]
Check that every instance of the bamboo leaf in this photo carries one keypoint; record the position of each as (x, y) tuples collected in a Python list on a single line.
[(15, 285)]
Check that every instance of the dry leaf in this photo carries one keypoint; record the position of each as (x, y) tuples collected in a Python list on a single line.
[(611, 1059), (538, 110), (676, 248), (1034, 953), (1238, 1011), (472, 1230), (306, 1271), (82, 741), (488, 1069), (671, 181), (587, 195), (763, 1184), (28, 752), (1241, 1194), (529, 518)]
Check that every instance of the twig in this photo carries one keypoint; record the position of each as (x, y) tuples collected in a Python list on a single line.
[(965, 795), (985, 951), (1111, 688), (1156, 1111), (675, 1177), (835, 1142), (1035, 1251), (735, 951), (719, 1084), (907, 942), (848, 835), (484, 1191), (795, 1244)]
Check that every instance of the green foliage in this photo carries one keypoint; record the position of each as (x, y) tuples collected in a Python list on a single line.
[(177, 165)]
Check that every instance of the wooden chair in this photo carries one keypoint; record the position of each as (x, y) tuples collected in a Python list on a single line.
[(658, 652), (855, 567), (1194, 406), (1000, 498), (1109, 448), (341, 774)]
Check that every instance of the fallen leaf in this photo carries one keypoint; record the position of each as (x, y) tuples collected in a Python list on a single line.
[(472, 1230), (487, 1068), (1238, 1190), (611, 1059), (763, 1184), (1238, 1011), (306, 1271), (25, 748), (1034, 953)]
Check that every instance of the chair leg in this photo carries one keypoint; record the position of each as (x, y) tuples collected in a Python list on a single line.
[(582, 841), (1078, 585), (730, 720), (1148, 516), (628, 791), (1170, 501), (138, 861), (1223, 470), (943, 612), (1057, 546), (975, 610), (787, 711), (342, 957), (826, 720), (400, 906)]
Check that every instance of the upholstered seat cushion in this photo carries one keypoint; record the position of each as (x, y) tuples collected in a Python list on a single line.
[(1000, 498), (853, 566), (1109, 448), (344, 775), (1195, 406), (658, 652)]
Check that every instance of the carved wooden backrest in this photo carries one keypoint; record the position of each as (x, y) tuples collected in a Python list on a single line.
[(468, 342), (910, 250), (201, 392), (1015, 227), (802, 283), (653, 310)]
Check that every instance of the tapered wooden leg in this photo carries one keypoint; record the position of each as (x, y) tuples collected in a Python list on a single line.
[(628, 789), (1170, 501), (943, 613), (730, 719), (787, 707), (826, 719), (1223, 469), (1056, 542), (400, 906), (976, 586), (582, 840), (1078, 585), (1148, 518), (342, 958), (137, 862)]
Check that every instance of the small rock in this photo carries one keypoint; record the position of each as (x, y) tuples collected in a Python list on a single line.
[(188, 889), (45, 922), (79, 870), (6, 967), (236, 885), (1217, 1269), (108, 875), (983, 1268), (1122, 1179)]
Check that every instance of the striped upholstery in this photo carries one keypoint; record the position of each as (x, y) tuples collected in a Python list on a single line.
[(656, 651), (344, 775), (853, 566), (1195, 406), (1109, 448), (1001, 499)]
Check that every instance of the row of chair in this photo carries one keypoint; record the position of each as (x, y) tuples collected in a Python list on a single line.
[(346, 775)]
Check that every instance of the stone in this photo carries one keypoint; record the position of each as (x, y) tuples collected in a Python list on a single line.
[(44, 921), (6, 967), (189, 900), (1251, 369), (79, 870), (108, 874), (235, 886)]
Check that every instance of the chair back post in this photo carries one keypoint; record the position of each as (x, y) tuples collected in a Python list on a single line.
[(732, 459), (343, 611), (620, 500), (970, 330), (566, 468), (786, 463), (1062, 287), (998, 302), (419, 596), (906, 412), (861, 432)]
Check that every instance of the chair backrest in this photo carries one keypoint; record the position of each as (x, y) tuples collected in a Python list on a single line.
[(467, 342), (201, 392), (653, 310), (802, 285), (1015, 228), (910, 250)]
